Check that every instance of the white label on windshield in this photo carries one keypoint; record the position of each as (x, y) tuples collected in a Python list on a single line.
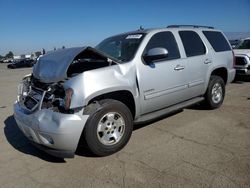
[(137, 36)]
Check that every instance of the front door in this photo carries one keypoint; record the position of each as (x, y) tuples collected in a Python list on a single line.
[(163, 82)]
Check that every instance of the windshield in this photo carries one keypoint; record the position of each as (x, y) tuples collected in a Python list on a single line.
[(121, 47), (244, 45)]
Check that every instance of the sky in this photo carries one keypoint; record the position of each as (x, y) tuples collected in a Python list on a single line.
[(30, 25)]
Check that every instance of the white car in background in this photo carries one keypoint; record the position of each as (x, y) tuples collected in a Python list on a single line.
[(242, 55)]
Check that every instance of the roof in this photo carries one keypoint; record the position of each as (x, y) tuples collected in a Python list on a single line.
[(170, 27)]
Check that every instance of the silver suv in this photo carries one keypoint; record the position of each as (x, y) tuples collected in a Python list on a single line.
[(96, 95)]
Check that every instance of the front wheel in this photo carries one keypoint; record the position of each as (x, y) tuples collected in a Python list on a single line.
[(215, 93), (108, 128)]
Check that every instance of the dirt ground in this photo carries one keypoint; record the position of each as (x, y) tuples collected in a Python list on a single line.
[(192, 148)]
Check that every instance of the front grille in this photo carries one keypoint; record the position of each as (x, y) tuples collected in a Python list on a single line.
[(240, 61), (47, 96), (29, 97), (34, 95), (30, 103)]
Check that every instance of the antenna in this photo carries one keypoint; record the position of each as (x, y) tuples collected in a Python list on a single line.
[(141, 28)]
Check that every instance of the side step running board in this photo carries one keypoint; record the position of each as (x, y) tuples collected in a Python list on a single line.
[(168, 110)]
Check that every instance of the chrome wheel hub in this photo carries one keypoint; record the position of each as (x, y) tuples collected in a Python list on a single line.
[(217, 93), (110, 128)]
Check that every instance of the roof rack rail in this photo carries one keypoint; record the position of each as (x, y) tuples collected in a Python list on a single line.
[(194, 26)]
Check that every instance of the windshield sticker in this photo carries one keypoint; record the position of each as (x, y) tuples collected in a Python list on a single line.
[(137, 36)]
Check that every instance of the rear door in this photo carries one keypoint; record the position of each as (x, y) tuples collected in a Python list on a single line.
[(197, 62)]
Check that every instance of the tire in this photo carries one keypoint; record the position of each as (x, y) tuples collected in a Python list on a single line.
[(215, 93), (10, 67), (109, 127)]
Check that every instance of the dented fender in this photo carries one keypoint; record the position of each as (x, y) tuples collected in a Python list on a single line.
[(93, 83)]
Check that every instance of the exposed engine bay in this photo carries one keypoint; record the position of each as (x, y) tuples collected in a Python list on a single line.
[(65, 63), (35, 93), (87, 60)]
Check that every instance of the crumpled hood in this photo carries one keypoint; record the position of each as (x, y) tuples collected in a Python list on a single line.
[(52, 67)]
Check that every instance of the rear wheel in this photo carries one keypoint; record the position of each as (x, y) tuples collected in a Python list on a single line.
[(215, 93), (108, 128)]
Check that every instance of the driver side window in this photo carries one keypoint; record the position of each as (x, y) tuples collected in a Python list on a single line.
[(164, 40)]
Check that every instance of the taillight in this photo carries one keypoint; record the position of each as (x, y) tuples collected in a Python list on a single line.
[(67, 99), (234, 59)]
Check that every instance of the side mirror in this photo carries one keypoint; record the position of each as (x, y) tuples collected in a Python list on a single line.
[(155, 54)]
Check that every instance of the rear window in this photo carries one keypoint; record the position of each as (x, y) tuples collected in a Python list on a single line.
[(217, 40), (192, 42)]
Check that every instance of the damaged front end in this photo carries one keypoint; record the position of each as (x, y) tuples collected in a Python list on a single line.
[(49, 87), (50, 104), (42, 115), (34, 95), (43, 109)]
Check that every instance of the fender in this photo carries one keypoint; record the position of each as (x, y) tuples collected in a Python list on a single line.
[(93, 83)]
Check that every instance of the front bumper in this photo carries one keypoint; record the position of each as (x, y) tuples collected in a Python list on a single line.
[(55, 133), (242, 70)]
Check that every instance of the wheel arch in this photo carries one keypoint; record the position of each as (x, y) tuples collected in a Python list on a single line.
[(124, 96), (222, 72)]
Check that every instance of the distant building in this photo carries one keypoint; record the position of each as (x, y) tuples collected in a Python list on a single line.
[(34, 55), (16, 57), (28, 56)]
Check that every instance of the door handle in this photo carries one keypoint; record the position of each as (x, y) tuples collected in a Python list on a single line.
[(207, 61), (179, 67)]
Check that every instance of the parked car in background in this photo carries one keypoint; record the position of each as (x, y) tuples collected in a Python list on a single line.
[(6, 60), (21, 63), (234, 43), (242, 55), (97, 94)]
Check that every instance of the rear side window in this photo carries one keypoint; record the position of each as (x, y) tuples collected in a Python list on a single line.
[(164, 40), (217, 41), (192, 43)]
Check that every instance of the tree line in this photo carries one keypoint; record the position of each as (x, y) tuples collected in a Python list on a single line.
[(10, 54)]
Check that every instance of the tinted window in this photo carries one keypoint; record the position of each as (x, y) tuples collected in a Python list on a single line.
[(217, 41), (164, 40), (193, 44)]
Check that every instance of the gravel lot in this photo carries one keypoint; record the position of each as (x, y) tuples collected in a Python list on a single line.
[(192, 148)]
